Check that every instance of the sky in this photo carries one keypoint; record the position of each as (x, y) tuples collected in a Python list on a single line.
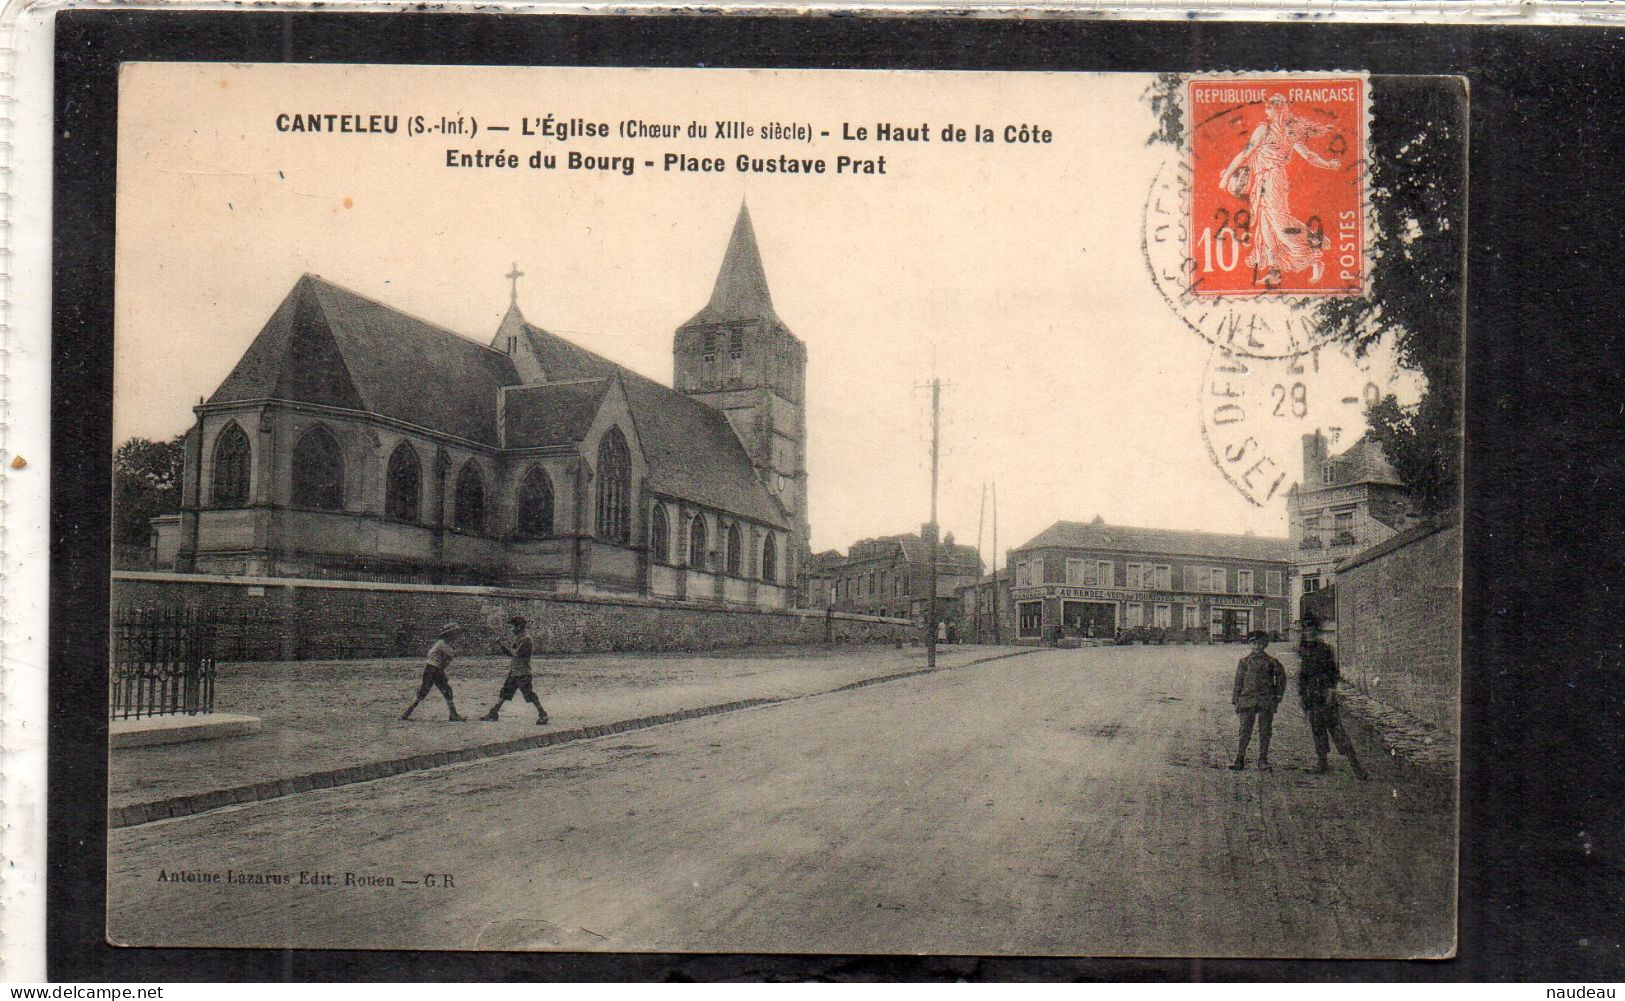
[(1014, 272)]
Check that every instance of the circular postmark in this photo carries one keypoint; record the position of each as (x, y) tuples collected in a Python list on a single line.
[(1265, 325), (1257, 410)]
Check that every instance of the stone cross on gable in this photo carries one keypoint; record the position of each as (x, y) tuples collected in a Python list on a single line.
[(513, 277)]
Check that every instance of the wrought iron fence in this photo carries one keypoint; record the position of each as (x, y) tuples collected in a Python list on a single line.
[(163, 662)]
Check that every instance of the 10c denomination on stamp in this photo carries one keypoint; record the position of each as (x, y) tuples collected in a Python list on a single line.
[(1277, 185)]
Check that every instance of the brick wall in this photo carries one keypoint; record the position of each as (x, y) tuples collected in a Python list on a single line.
[(1399, 624), (292, 619)]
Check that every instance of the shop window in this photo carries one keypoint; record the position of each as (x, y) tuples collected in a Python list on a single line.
[(1031, 617)]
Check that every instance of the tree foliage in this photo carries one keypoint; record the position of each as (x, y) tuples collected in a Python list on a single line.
[(1417, 190), (146, 483)]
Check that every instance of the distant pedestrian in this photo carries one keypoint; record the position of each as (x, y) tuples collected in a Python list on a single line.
[(518, 648), (1317, 690), (434, 671), (1260, 686)]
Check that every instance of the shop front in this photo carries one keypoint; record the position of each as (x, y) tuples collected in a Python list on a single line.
[(1106, 613), (1089, 619), (1231, 624)]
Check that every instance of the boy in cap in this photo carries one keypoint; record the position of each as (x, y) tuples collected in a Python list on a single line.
[(1260, 687), (1317, 678), (518, 649), (434, 671)]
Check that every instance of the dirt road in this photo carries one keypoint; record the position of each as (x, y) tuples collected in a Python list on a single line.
[(1067, 802)]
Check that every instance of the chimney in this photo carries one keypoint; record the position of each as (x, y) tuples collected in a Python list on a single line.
[(1314, 455)]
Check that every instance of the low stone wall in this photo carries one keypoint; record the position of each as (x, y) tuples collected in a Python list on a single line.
[(1399, 624), (299, 619)]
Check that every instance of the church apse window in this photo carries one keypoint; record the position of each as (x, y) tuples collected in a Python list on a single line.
[(614, 488), (318, 471), (696, 542), (770, 560), (229, 487), (469, 512), (659, 535), (403, 483), (733, 554), (535, 504)]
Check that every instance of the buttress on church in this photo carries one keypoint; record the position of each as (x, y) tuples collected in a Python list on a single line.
[(355, 441)]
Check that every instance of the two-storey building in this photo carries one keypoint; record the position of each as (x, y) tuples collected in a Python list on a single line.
[(1098, 580), (889, 574)]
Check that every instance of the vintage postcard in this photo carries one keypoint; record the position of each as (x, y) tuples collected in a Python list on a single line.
[(698, 510)]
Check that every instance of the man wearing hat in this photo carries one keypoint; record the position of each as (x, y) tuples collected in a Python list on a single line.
[(1260, 686), (434, 671), (518, 649), (1317, 678)]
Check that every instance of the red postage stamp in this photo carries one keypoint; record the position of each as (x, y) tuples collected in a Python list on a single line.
[(1278, 171)]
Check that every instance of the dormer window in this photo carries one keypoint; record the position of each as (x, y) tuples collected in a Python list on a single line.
[(1326, 474)]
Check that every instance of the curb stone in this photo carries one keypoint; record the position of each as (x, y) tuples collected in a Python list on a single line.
[(137, 814)]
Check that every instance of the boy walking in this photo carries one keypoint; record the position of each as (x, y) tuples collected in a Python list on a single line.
[(1260, 687), (1317, 678), (434, 671), (518, 648)]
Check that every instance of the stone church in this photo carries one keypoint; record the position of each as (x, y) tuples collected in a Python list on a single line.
[(355, 441)]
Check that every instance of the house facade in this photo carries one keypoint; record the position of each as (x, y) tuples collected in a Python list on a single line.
[(890, 575)]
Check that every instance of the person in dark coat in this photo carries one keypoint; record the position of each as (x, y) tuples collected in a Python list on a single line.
[(1317, 683), (1260, 686)]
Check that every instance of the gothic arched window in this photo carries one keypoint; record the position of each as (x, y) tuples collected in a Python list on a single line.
[(733, 550), (318, 471), (536, 504), (231, 456), (696, 542), (659, 535), (403, 483), (614, 488), (770, 560), (469, 514)]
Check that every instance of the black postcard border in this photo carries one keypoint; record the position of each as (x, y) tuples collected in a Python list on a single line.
[(1543, 712)]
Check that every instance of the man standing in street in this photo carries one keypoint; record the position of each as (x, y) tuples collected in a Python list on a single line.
[(434, 671), (518, 648), (1317, 682), (1260, 686)]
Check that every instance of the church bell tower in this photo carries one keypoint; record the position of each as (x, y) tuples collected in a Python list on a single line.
[(737, 356)]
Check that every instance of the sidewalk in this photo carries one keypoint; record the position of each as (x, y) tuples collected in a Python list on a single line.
[(333, 722), (1402, 735)]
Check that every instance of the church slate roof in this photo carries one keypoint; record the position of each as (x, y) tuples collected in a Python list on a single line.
[(690, 447), (741, 291), (555, 413), (1159, 541), (328, 345)]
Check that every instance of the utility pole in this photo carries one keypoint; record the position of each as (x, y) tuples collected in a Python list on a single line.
[(976, 593), (996, 637), (931, 593)]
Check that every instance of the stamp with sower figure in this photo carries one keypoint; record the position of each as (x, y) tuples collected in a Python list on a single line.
[(1277, 185)]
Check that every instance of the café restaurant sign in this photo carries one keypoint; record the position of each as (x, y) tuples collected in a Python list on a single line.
[(1115, 594)]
